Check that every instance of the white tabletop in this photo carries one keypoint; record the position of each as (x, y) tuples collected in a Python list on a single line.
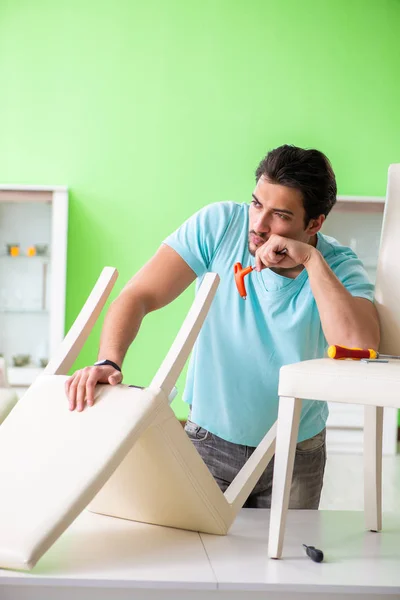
[(99, 549), (99, 553), (355, 561)]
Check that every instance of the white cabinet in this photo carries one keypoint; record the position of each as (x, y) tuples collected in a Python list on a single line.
[(33, 250), (356, 221)]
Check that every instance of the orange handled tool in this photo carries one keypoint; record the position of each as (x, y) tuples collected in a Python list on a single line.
[(240, 274), (341, 352)]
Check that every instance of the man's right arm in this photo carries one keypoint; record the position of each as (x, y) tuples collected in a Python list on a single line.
[(158, 283)]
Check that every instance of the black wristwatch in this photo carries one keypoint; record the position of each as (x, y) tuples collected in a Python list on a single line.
[(100, 363)]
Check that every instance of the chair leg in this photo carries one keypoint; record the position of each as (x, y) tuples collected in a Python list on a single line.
[(71, 345), (373, 429), (285, 450)]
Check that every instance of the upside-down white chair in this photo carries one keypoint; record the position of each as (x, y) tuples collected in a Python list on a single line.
[(127, 456), (376, 385)]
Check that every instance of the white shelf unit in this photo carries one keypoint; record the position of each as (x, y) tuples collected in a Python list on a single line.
[(32, 288), (362, 199), (356, 221)]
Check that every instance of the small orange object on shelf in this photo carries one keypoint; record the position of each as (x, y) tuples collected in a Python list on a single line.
[(31, 251), (14, 250)]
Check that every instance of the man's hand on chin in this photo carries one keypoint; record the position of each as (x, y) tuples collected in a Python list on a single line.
[(282, 252)]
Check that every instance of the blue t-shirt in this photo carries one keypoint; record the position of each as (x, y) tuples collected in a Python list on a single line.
[(232, 381)]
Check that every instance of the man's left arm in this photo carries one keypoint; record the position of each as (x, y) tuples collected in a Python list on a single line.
[(346, 320)]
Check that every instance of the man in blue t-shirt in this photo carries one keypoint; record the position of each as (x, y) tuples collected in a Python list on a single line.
[(306, 291)]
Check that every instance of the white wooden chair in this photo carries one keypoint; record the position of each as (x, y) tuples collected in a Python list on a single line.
[(128, 455), (376, 385)]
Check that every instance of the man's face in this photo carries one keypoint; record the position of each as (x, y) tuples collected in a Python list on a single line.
[(276, 209)]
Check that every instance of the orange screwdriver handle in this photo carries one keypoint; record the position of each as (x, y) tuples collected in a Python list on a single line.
[(341, 352), (240, 274)]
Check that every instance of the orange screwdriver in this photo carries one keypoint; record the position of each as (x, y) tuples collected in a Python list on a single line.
[(342, 352), (241, 272)]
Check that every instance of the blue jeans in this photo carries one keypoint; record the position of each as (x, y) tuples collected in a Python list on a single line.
[(225, 459)]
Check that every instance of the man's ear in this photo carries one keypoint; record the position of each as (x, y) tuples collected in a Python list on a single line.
[(315, 225)]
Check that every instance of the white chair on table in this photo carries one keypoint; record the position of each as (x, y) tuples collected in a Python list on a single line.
[(374, 385), (127, 456)]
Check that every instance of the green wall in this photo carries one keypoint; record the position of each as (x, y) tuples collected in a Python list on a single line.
[(150, 110)]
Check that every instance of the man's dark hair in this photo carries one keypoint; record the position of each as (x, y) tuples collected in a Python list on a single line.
[(309, 171)]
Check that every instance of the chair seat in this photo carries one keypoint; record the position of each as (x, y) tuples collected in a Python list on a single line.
[(55, 460), (349, 381)]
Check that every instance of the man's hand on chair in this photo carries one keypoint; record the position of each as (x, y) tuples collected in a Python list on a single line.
[(80, 387)]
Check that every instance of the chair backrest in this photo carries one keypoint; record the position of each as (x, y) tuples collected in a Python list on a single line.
[(164, 481), (387, 288)]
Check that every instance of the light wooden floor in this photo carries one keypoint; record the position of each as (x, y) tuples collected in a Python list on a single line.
[(344, 483)]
